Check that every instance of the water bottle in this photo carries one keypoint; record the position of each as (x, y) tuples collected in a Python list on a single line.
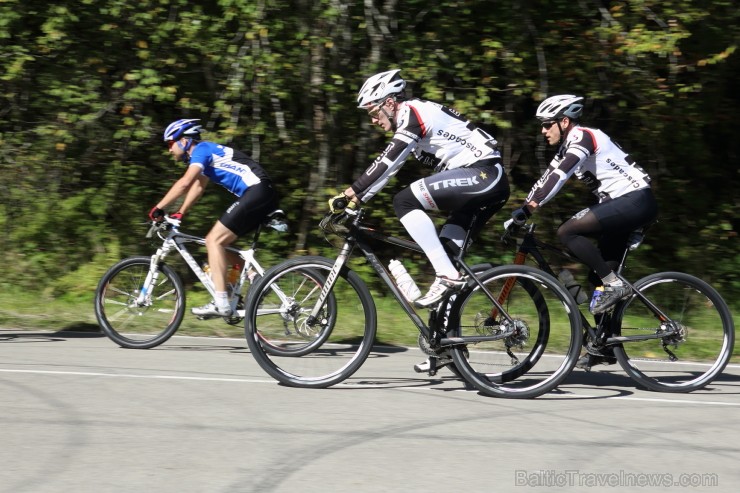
[(597, 295), (404, 281), (234, 273), (566, 277)]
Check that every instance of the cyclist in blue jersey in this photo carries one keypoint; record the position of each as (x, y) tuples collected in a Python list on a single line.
[(237, 173)]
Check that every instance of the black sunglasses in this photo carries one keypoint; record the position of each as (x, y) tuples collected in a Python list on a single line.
[(547, 125)]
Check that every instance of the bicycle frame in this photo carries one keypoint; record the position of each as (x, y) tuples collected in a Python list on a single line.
[(177, 241), (360, 236)]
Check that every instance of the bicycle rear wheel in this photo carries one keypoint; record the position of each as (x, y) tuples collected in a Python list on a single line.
[(536, 351), (139, 325), (703, 342), (345, 327)]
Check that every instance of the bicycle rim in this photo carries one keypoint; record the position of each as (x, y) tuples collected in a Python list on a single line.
[(702, 345), (139, 325), (345, 329), (540, 345)]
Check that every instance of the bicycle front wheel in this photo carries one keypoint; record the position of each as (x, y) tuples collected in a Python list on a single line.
[(341, 336), (703, 333), (129, 322), (299, 336), (532, 350)]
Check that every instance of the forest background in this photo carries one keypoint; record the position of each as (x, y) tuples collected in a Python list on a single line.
[(87, 87)]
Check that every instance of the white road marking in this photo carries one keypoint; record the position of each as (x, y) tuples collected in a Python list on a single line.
[(572, 395)]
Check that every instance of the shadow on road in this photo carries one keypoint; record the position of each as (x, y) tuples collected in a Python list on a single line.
[(76, 331)]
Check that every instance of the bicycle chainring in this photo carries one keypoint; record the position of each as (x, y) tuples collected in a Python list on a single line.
[(425, 347)]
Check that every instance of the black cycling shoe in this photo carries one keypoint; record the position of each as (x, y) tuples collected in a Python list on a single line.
[(606, 299)]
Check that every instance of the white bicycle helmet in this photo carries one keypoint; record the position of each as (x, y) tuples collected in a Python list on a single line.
[(183, 128), (556, 107), (380, 86)]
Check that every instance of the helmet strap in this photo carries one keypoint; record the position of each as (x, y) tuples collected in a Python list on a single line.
[(185, 148), (391, 118), (563, 134)]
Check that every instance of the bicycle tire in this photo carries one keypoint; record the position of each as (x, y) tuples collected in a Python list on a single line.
[(545, 339), (347, 343), (133, 326), (705, 343), (298, 318)]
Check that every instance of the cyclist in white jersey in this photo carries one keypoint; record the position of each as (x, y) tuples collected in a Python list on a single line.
[(468, 179), (468, 174), (237, 173), (625, 199)]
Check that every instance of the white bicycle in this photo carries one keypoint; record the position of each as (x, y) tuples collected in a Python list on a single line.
[(140, 301)]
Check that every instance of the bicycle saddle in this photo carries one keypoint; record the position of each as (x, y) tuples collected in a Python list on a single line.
[(276, 220)]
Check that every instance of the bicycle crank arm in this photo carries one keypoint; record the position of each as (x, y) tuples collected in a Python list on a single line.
[(455, 341), (647, 337)]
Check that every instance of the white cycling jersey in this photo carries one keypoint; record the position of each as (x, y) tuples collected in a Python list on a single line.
[(596, 160), (437, 136)]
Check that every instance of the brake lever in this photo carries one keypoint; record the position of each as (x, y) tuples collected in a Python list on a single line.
[(152, 229)]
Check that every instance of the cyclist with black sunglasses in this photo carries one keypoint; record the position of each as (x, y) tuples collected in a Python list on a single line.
[(625, 199), (468, 174)]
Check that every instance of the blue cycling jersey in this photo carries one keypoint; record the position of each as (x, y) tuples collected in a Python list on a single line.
[(228, 167)]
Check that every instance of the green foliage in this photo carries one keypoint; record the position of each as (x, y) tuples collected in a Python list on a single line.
[(87, 87)]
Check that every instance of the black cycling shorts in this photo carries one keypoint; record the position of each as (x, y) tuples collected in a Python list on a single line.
[(250, 209), (460, 191)]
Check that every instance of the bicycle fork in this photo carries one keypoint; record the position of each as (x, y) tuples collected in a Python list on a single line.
[(145, 292), (331, 279)]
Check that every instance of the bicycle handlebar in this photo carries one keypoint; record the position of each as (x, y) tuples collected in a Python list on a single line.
[(512, 229), (165, 224)]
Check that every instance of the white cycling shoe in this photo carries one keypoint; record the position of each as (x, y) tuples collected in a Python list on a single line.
[(211, 310), (440, 287)]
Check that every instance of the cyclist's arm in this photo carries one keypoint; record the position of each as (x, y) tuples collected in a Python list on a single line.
[(194, 193), (559, 171), (385, 166), (181, 186)]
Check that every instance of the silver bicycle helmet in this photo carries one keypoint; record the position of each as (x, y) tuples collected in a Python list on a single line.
[(556, 107), (380, 86)]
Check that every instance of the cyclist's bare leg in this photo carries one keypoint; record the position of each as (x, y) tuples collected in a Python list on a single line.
[(218, 238)]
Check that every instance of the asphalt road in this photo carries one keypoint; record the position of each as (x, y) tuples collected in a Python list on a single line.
[(198, 415)]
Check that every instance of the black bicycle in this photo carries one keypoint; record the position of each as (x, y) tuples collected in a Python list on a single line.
[(521, 348), (675, 333)]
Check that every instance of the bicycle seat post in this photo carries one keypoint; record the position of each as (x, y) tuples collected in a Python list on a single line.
[(256, 237)]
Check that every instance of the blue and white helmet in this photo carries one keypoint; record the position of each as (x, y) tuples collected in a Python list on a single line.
[(380, 86), (183, 128), (556, 107)]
